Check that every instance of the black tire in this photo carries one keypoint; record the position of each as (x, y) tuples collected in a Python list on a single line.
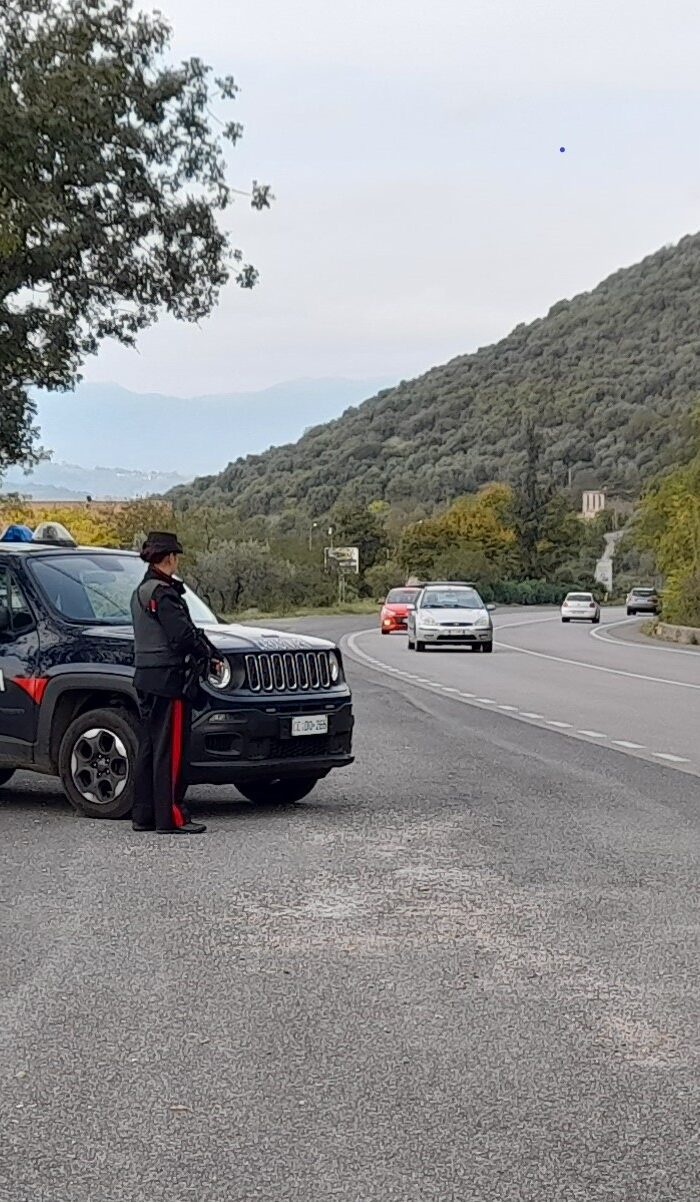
[(419, 646), (596, 621), (6, 774), (475, 648), (631, 613), (278, 792), (487, 648), (109, 735), (566, 619)]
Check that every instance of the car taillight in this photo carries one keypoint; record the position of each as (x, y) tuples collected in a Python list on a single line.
[(591, 604)]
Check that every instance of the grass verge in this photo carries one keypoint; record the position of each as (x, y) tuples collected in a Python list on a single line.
[(321, 611)]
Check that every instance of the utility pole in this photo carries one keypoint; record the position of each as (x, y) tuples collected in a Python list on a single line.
[(312, 527)]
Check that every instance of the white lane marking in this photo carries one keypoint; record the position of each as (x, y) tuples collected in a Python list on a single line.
[(526, 622), (651, 646), (351, 641), (581, 663)]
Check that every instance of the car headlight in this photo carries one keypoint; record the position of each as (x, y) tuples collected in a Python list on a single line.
[(427, 620), (222, 678), (334, 667), (483, 621)]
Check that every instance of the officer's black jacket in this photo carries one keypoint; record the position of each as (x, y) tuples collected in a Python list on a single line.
[(167, 644)]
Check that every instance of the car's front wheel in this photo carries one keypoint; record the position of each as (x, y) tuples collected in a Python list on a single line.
[(278, 792), (6, 775), (97, 762), (487, 647), (566, 619), (419, 646), (631, 613)]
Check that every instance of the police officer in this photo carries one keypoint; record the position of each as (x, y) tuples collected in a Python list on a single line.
[(169, 650)]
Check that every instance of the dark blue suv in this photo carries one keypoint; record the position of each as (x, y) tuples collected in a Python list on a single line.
[(278, 720)]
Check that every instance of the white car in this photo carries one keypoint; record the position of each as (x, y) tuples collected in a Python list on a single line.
[(580, 607), (450, 614)]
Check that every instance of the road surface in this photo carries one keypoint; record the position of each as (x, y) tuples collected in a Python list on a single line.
[(604, 684), (465, 969)]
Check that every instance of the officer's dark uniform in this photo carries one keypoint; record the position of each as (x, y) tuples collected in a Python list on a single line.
[(168, 648)]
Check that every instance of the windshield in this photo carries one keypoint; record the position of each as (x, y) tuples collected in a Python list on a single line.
[(98, 588), (643, 592), (402, 596), (451, 598)]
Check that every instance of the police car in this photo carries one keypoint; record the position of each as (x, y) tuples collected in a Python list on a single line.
[(273, 723)]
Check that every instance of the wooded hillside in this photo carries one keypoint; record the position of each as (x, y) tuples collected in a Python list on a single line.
[(608, 376)]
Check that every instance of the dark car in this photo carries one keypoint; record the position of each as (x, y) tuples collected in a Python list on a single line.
[(277, 721)]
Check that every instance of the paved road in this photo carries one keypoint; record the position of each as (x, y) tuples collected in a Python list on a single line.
[(593, 683), (466, 969)]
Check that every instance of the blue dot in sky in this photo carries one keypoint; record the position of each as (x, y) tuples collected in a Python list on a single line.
[(562, 149)]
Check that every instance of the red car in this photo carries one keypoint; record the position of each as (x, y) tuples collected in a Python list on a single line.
[(395, 609)]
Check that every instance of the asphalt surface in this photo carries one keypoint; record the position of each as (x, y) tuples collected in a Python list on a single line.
[(606, 684), (465, 968)]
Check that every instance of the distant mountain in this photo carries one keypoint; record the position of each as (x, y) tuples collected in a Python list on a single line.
[(67, 482), (147, 432), (609, 378)]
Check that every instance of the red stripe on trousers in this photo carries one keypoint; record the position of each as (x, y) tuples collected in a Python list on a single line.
[(176, 759)]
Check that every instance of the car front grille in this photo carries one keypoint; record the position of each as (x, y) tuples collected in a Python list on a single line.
[(287, 671)]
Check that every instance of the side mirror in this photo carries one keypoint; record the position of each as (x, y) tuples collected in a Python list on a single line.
[(490, 607)]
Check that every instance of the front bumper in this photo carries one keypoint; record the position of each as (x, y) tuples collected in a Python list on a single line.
[(446, 634), (393, 623), (247, 740)]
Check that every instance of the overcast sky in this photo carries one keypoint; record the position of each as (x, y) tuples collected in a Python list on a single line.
[(423, 205)]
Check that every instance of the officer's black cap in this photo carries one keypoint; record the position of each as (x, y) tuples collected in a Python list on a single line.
[(160, 543)]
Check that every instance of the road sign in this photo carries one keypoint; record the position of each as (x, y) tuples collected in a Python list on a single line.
[(345, 559)]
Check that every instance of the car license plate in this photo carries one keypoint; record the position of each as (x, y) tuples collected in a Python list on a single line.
[(316, 725)]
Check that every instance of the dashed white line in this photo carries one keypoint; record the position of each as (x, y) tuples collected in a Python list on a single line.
[(528, 714), (593, 734), (626, 744), (559, 725), (486, 700), (671, 759), (509, 709)]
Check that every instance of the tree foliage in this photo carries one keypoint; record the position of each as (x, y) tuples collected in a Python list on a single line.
[(608, 377), (668, 524), (111, 180)]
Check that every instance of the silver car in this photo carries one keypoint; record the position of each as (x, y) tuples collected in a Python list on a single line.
[(450, 614), (643, 601)]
